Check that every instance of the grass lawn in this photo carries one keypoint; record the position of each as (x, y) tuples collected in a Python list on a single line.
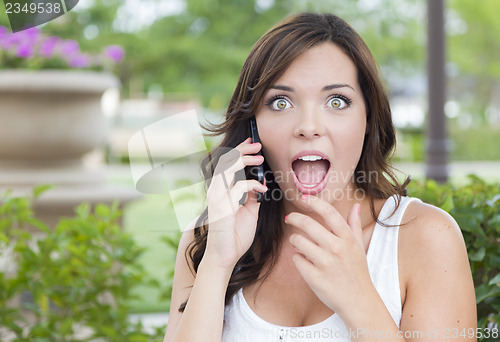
[(148, 220)]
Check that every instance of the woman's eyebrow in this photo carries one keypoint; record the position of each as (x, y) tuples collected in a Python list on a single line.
[(325, 88), (335, 86), (281, 87)]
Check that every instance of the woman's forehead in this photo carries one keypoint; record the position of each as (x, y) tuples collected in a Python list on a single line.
[(319, 66)]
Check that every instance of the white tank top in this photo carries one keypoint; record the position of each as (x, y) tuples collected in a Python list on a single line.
[(241, 324)]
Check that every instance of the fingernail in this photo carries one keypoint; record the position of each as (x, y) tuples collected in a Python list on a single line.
[(286, 217), (304, 197), (359, 209)]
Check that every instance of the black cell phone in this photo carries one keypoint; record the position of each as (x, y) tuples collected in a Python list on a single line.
[(257, 171)]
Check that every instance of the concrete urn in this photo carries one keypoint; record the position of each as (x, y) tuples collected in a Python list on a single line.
[(48, 116)]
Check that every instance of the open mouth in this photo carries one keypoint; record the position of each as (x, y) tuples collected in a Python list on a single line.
[(310, 169)]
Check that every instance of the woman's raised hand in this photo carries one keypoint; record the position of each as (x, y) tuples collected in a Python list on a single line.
[(232, 206), (330, 255)]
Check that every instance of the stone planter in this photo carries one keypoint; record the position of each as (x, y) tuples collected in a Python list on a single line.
[(51, 116), (49, 120)]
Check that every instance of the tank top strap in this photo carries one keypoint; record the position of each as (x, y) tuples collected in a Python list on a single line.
[(382, 256)]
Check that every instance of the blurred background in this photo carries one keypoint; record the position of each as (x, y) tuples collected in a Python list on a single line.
[(192, 51), (187, 54)]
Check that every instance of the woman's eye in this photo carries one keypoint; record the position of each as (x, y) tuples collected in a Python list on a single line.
[(280, 104), (338, 103)]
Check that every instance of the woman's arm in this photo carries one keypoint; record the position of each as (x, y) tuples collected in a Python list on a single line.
[(231, 230), (206, 294), (182, 284), (440, 296)]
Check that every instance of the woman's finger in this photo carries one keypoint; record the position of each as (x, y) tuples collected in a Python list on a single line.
[(306, 247), (354, 221), (236, 159), (247, 186), (331, 217), (226, 202), (320, 235)]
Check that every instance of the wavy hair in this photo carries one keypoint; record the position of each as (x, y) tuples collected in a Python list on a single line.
[(268, 60)]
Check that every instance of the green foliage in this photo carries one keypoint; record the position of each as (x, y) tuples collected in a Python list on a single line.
[(476, 208), (81, 274), (475, 143), (473, 41)]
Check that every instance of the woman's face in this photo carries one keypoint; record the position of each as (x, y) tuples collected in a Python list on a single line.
[(312, 124)]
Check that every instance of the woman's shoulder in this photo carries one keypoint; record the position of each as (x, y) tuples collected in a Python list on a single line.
[(425, 221), (429, 226), (429, 237)]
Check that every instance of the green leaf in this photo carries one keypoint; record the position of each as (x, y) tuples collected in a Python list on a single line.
[(495, 319), (448, 205), (494, 260), (4, 238), (103, 210), (39, 189), (66, 327), (484, 291), (38, 224), (495, 280), (479, 255), (492, 203)]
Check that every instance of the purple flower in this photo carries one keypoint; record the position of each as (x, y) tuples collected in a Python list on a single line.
[(24, 51), (48, 46), (6, 42), (31, 34), (16, 38), (32, 43), (114, 52), (69, 48), (79, 61), (3, 31)]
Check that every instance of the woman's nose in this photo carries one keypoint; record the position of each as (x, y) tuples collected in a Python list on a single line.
[(309, 125)]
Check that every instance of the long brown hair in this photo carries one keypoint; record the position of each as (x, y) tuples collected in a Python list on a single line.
[(267, 61)]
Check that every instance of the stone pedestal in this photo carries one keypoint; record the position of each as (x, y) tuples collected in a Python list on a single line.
[(49, 120)]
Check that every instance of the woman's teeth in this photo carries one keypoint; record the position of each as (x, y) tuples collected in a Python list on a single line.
[(309, 185), (310, 158)]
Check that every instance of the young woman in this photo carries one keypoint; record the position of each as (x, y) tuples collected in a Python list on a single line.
[(335, 251)]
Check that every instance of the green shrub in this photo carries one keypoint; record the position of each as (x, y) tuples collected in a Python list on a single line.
[(476, 208), (80, 274)]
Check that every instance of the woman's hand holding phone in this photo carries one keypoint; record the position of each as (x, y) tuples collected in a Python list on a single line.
[(232, 225)]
